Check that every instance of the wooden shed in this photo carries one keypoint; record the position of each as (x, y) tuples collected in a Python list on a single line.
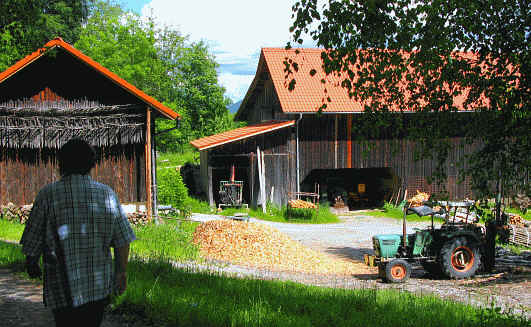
[(320, 147), (58, 93)]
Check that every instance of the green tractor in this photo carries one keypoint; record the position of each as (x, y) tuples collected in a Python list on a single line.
[(453, 250)]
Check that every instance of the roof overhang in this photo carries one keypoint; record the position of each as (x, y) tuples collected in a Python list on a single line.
[(58, 42), (237, 134)]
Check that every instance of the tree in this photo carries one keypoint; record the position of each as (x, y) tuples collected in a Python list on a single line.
[(421, 55), (25, 25), (162, 63)]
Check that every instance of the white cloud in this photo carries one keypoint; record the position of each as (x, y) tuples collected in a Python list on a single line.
[(234, 29), (236, 85)]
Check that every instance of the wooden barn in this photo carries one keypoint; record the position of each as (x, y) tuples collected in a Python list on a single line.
[(58, 93), (302, 148)]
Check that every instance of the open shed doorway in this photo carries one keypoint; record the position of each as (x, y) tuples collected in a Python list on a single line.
[(222, 169), (356, 188)]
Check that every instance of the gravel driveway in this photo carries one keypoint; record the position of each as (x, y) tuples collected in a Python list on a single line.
[(508, 288)]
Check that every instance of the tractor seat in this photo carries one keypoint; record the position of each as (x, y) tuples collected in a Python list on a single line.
[(421, 211)]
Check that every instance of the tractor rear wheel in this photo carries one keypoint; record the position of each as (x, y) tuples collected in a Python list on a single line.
[(397, 271), (460, 258)]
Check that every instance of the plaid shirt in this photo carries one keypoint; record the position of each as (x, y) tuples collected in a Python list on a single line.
[(73, 224)]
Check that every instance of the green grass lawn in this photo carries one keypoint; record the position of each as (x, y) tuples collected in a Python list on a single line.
[(173, 159), (397, 213), (275, 214), (175, 297)]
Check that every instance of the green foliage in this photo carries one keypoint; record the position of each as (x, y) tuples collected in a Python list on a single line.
[(162, 62), (26, 25), (174, 159), (171, 189), (416, 42)]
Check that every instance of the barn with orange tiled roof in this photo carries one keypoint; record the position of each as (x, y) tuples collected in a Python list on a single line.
[(320, 146), (57, 93)]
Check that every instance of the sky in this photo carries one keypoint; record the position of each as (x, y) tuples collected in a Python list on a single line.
[(235, 31)]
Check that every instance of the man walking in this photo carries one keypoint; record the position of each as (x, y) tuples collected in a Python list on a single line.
[(73, 224)]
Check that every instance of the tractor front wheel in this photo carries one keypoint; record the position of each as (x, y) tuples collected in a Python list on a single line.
[(460, 258), (397, 271)]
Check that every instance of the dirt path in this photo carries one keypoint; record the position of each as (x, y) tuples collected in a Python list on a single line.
[(21, 305)]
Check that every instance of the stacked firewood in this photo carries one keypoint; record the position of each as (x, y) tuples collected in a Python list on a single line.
[(16, 213), (301, 204), (138, 219), (516, 220), (418, 199), (21, 214)]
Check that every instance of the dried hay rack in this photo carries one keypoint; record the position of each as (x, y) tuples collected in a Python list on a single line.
[(50, 124), (519, 230)]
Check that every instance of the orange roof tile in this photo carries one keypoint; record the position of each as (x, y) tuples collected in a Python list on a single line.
[(58, 42), (310, 93), (239, 134)]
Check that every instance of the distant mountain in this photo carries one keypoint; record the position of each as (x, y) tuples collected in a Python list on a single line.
[(234, 107)]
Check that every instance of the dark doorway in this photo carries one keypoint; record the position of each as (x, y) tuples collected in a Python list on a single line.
[(357, 188)]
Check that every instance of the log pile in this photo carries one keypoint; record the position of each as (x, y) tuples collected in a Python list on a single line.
[(301, 204), (260, 246), (20, 214), (418, 199), (16, 213), (517, 220), (137, 219)]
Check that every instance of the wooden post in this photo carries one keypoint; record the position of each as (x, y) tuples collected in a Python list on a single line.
[(210, 190), (148, 166), (349, 141), (154, 187), (251, 182), (336, 127)]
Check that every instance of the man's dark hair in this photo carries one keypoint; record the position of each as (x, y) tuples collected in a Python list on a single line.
[(76, 157)]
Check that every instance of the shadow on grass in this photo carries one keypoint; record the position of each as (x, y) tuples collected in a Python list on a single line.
[(184, 298)]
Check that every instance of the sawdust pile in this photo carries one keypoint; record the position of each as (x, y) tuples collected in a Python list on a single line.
[(258, 245)]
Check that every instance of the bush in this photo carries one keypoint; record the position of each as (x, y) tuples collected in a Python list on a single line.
[(171, 189)]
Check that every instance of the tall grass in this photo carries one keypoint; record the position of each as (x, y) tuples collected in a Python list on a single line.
[(11, 255), (179, 298), (10, 230), (171, 240)]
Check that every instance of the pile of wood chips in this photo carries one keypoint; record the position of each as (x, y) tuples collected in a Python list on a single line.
[(417, 200), (301, 204), (16, 213), (261, 246)]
